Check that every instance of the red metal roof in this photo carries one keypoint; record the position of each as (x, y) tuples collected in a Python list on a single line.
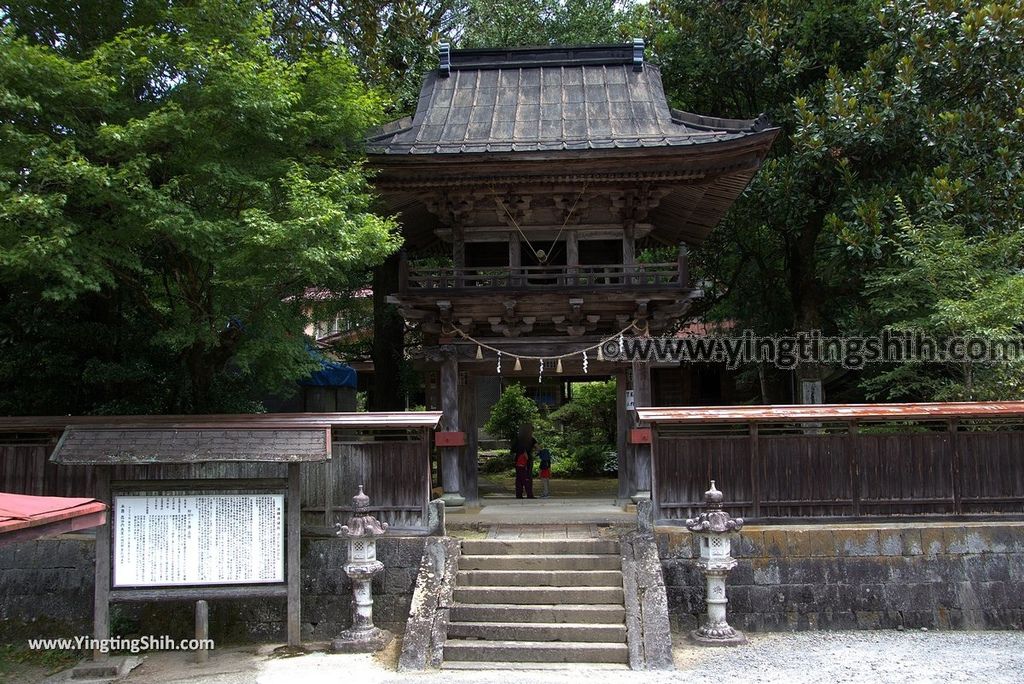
[(24, 517), (826, 412), (253, 421)]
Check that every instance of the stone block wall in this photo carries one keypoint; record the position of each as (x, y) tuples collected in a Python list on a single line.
[(46, 589), (858, 576)]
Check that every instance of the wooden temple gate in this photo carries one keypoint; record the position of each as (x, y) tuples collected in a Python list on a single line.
[(840, 461), (548, 197)]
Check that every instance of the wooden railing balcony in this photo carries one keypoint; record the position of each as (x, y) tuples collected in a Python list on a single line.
[(546, 278)]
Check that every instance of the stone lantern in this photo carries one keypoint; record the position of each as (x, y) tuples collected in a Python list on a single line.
[(712, 528), (362, 532)]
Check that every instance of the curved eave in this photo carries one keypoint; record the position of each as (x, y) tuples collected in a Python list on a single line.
[(704, 180), (710, 156)]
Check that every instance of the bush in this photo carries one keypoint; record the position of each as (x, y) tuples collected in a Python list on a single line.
[(581, 433), (512, 409)]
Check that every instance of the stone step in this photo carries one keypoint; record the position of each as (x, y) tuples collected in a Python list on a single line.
[(579, 561), (504, 612), (538, 631), (539, 578), (485, 665), (535, 651), (535, 595), (534, 547)]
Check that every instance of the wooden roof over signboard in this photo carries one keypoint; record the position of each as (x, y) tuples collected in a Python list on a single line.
[(157, 444)]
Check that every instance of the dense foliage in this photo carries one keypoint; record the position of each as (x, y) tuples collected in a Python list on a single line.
[(581, 433), (170, 189), (919, 102), (175, 177)]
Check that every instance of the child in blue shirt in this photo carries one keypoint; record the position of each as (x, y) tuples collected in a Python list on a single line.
[(545, 470)]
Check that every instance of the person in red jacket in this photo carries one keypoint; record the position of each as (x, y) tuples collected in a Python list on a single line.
[(522, 453)]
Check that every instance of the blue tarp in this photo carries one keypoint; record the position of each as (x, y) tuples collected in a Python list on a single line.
[(331, 374)]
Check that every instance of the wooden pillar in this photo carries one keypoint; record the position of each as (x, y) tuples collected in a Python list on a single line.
[(451, 472), (622, 422), (293, 511), (467, 418), (572, 256), (458, 254), (515, 251), (628, 254), (101, 595), (684, 265), (641, 481), (515, 258)]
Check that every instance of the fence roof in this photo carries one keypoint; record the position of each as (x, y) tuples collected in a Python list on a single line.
[(828, 412), (259, 421)]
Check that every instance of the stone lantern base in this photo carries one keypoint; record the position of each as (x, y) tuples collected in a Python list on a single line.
[(727, 637), (361, 641)]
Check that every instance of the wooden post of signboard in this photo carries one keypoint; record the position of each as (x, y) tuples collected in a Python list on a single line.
[(293, 508), (202, 630), (101, 595)]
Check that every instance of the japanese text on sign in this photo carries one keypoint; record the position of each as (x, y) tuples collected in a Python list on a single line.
[(198, 539)]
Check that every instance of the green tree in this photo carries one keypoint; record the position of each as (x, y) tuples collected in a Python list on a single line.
[(944, 283), (392, 42), (519, 23), (172, 190), (512, 410), (919, 100)]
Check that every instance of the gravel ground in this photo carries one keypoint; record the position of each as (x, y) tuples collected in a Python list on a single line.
[(789, 658)]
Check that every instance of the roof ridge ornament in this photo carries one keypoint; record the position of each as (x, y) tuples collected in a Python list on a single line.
[(638, 54), (444, 69)]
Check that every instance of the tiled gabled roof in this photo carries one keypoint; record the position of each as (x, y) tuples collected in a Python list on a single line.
[(545, 99)]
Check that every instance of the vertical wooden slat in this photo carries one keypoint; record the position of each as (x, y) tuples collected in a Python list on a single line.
[(954, 443), (328, 489), (755, 468), (854, 460)]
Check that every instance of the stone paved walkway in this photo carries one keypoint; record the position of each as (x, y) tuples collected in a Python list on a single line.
[(543, 531), (543, 512), (801, 658)]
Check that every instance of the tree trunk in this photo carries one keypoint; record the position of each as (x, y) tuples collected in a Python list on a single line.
[(388, 352), (807, 294)]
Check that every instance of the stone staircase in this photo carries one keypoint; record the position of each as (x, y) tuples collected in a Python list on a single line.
[(537, 603)]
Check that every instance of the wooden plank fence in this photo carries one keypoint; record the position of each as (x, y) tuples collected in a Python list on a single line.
[(844, 469), (393, 467)]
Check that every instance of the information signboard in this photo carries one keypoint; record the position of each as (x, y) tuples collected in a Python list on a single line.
[(179, 540)]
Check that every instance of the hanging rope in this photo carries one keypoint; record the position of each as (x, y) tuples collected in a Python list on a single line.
[(540, 256), (617, 337)]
